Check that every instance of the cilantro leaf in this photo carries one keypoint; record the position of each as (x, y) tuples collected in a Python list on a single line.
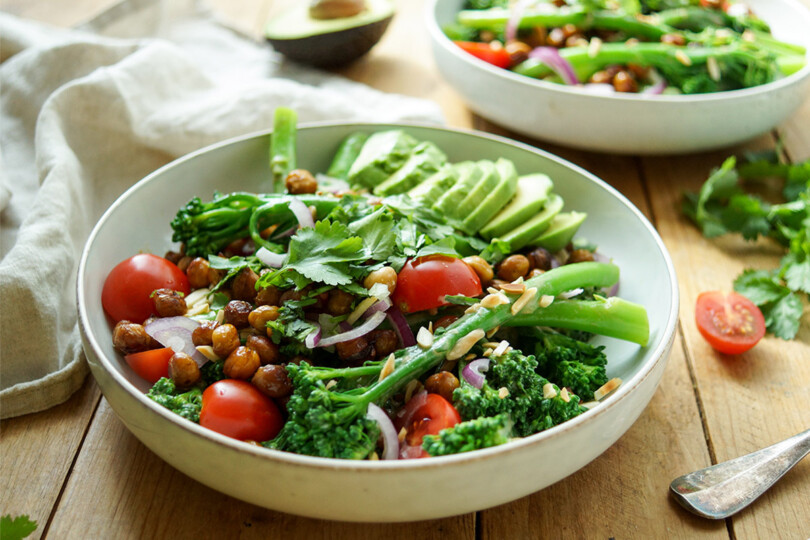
[(445, 246), (376, 230), (323, 253), (760, 286), (17, 528), (782, 318)]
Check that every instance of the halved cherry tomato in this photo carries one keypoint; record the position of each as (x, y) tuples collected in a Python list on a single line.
[(239, 410), (127, 289), (424, 414), (497, 56), (422, 283), (150, 365), (730, 322)]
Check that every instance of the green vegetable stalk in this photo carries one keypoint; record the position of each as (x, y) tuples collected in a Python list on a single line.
[(282, 146)]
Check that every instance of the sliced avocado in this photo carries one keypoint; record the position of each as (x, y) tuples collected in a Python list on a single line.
[(425, 160), (468, 175), (561, 231), (495, 200), (433, 188), (489, 181), (530, 230), (328, 42), (532, 193), (382, 154)]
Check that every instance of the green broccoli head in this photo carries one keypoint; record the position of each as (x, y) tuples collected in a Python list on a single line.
[(568, 362), (208, 227), (470, 435), (186, 404)]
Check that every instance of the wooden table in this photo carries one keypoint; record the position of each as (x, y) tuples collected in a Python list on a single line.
[(79, 473)]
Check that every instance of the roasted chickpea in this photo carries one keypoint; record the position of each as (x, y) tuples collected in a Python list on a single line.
[(183, 263), (273, 381), (267, 350), (640, 72), (556, 37), (624, 82), (268, 296), (197, 273), (241, 247), (243, 286), (601, 77), (339, 302), (237, 313), (355, 349), (224, 340), (579, 255), (442, 383), (173, 256), (518, 51), (385, 275), (290, 294), (242, 363), (169, 303), (259, 317), (481, 267), (215, 276), (541, 258), (300, 181), (183, 370), (513, 267), (385, 342), (203, 334), (130, 337)]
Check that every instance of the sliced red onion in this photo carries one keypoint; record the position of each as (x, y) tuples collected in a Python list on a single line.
[(600, 257), (370, 324), (562, 67), (302, 213), (401, 327), (515, 14), (380, 305), (175, 332), (271, 259), (389, 433), (313, 338), (473, 372), (554, 262), (286, 234), (658, 86)]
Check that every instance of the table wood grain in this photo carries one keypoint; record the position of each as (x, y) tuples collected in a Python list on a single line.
[(79, 473)]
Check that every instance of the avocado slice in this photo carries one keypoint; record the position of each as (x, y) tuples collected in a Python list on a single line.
[(433, 188), (561, 231), (382, 154), (468, 175), (425, 160), (328, 42), (489, 181), (532, 229), (495, 200), (532, 193)]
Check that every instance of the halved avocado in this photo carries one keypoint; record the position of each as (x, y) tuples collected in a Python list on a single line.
[(328, 42)]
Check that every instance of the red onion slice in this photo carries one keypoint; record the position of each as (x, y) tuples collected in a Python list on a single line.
[(472, 372), (658, 86), (389, 433), (380, 305), (313, 338), (302, 213), (286, 234), (562, 67), (370, 324), (515, 14), (600, 257), (271, 259), (401, 327), (175, 332)]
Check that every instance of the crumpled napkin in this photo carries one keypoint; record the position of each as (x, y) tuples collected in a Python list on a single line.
[(84, 115)]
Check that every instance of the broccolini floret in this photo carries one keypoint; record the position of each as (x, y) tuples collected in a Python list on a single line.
[(470, 435), (186, 404), (568, 362)]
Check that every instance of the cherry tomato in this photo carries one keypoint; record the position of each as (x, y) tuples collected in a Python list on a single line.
[(730, 322), (424, 414), (150, 365), (497, 56), (423, 282), (239, 410), (127, 289)]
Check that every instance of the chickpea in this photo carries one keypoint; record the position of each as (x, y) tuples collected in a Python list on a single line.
[(268, 296), (224, 340), (354, 349), (556, 37), (445, 321), (242, 363), (624, 82), (267, 350), (183, 370), (518, 51), (183, 263), (290, 294), (640, 72), (601, 77), (173, 256), (481, 267), (203, 334), (570, 30), (129, 337), (385, 275), (197, 273), (241, 247), (259, 317), (339, 302), (442, 383), (237, 313), (273, 381), (541, 258), (673, 39), (215, 276), (169, 303), (513, 267), (579, 255), (243, 286), (300, 181), (385, 342)]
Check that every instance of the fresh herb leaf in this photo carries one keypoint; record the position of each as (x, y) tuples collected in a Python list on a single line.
[(17, 528), (445, 246)]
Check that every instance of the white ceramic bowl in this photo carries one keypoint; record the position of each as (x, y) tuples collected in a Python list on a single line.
[(376, 491), (625, 123)]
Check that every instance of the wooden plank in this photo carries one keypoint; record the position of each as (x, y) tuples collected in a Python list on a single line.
[(119, 485), (37, 452)]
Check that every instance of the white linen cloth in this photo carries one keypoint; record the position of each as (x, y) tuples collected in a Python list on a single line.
[(86, 113)]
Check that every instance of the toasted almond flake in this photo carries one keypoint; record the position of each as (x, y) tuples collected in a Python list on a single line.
[(549, 391), (388, 367), (424, 338), (682, 57), (503, 392), (590, 404), (632, 42), (487, 353), (412, 388), (198, 309), (493, 332), (545, 300), (464, 344), (607, 388), (724, 33), (197, 296), (361, 308), (473, 308), (713, 68), (401, 434), (749, 36), (518, 280), (490, 344), (492, 290), (314, 212), (527, 296), (430, 327), (374, 457), (470, 356), (331, 383), (501, 348), (564, 395), (220, 316), (514, 288), (492, 300), (594, 46), (208, 352)]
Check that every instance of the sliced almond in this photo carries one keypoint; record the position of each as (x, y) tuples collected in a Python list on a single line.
[(493, 332), (683, 58), (424, 338), (527, 296), (472, 309), (198, 309), (503, 392), (545, 301), (713, 67), (374, 457), (549, 391), (514, 288), (331, 383), (197, 296), (388, 367), (501, 348), (361, 308), (208, 352), (607, 388), (464, 344), (594, 46), (412, 388), (564, 395), (401, 434), (220, 316), (493, 300)]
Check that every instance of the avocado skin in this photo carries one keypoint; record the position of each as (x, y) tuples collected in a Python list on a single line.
[(333, 49)]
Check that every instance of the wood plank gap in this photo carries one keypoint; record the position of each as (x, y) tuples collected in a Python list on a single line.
[(646, 191), (70, 469), (479, 535)]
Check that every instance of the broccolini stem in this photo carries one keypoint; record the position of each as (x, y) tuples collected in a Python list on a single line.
[(282, 146), (346, 154), (276, 210)]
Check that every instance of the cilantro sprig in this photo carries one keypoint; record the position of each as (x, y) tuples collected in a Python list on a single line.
[(16, 528)]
